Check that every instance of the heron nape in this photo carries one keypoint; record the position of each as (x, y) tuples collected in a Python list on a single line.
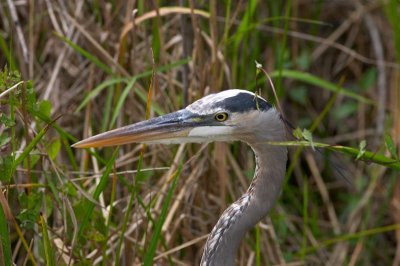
[(225, 116)]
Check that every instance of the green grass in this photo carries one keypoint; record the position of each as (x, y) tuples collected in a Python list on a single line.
[(70, 206)]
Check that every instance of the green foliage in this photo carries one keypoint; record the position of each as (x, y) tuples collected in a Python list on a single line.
[(6, 121), (30, 209), (8, 77)]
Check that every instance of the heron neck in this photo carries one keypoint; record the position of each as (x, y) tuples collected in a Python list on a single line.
[(249, 209)]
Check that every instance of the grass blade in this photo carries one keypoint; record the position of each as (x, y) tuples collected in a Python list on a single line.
[(94, 93), (86, 54), (99, 189), (30, 146), (128, 211), (258, 245), (157, 109), (357, 235), (316, 81), (121, 100), (151, 251), (367, 156), (5, 251), (48, 251), (8, 53)]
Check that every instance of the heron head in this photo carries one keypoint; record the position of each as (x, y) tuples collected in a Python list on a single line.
[(224, 116)]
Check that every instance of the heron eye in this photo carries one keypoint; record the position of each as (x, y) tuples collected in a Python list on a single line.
[(221, 117)]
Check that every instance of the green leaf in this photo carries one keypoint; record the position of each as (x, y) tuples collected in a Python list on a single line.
[(297, 133), (53, 147), (6, 121), (390, 146), (31, 205), (308, 136), (45, 107), (363, 145), (368, 79)]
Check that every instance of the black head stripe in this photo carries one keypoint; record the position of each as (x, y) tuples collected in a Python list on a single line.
[(244, 102), (235, 101)]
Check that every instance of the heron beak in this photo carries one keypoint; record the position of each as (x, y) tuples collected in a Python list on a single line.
[(169, 128)]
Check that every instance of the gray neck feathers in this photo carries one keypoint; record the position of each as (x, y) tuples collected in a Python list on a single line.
[(224, 240)]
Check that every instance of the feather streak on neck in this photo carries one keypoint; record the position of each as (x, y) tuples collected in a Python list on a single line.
[(249, 209)]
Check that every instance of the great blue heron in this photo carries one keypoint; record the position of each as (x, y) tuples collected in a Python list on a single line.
[(225, 116)]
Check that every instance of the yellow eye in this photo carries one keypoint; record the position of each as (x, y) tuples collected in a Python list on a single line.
[(221, 117)]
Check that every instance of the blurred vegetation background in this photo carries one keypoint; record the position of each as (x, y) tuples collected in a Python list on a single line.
[(71, 69)]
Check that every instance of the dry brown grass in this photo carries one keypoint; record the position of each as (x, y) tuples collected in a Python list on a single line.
[(354, 44)]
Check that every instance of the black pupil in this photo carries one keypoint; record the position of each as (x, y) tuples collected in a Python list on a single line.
[(220, 116)]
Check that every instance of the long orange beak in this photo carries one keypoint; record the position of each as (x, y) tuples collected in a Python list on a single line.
[(182, 126), (170, 128)]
